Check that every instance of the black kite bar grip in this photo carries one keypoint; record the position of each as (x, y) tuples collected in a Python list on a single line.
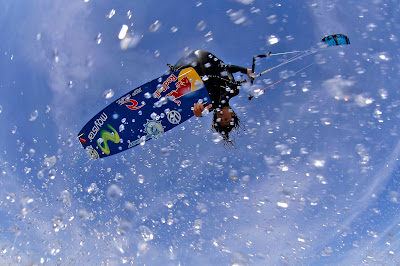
[(254, 62)]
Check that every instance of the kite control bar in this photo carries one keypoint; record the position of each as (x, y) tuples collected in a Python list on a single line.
[(254, 62), (254, 66)]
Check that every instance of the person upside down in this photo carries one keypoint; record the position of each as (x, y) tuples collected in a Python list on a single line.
[(221, 87)]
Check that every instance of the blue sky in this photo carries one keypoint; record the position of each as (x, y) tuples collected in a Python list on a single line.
[(313, 178)]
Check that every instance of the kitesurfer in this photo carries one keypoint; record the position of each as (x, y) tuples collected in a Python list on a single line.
[(221, 87)]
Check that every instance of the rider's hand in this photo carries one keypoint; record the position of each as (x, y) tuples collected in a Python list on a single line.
[(198, 109), (250, 74)]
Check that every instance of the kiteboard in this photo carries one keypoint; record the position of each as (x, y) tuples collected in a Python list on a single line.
[(144, 113)]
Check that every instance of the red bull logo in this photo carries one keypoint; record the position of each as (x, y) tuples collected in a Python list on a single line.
[(183, 87), (165, 86), (188, 80)]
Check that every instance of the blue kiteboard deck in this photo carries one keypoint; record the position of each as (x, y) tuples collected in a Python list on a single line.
[(144, 113)]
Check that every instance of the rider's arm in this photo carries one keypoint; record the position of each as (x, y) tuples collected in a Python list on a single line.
[(234, 69)]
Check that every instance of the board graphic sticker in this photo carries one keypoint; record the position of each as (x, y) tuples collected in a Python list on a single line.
[(144, 113)]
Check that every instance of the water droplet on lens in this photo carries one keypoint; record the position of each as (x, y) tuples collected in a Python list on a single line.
[(383, 93), (146, 233), (237, 17), (282, 204), (272, 19), (52, 174), (130, 42), (141, 179), (84, 215), (155, 26), (124, 227), (111, 13), (93, 189), (123, 31), (319, 163), (34, 115), (147, 95), (186, 163), (201, 26), (66, 198), (114, 192), (198, 84), (40, 174), (165, 151), (118, 177), (49, 162), (98, 38), (163, 100), (216, 137), (129, 207), (108, 94), (272, 40), (169, 204)]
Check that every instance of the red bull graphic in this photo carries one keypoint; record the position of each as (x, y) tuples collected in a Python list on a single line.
[(165, 86), (183, 87), (188, 81)]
